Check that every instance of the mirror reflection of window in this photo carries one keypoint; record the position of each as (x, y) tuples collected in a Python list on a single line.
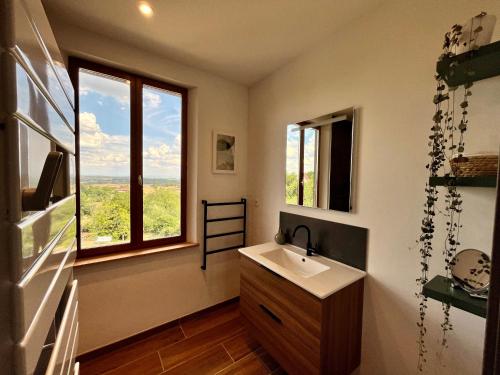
[(310, 157), (292, 165), (319, 162)]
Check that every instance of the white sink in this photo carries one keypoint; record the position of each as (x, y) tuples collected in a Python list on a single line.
[(296, 263), (317, 275)]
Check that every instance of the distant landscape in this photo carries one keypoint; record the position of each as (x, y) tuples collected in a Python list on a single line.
[(292, 189), (125, 180), (105, 209)]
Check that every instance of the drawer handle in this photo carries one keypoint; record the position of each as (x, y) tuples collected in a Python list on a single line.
[(270, 313)]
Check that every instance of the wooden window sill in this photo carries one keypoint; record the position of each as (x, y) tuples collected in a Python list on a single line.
[(133, 253)]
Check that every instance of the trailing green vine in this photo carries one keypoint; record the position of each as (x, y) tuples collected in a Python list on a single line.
[(443, 144)]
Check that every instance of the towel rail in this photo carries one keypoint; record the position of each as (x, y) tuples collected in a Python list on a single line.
[(206, 221)]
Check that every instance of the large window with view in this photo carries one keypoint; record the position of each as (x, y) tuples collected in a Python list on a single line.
[(132, 160)]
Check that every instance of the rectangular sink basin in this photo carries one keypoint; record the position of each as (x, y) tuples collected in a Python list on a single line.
[(301, 265)]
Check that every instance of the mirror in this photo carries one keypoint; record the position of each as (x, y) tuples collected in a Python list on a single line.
[(471, 271), (319, 162)]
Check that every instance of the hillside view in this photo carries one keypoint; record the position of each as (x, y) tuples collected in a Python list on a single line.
[(105, 209)]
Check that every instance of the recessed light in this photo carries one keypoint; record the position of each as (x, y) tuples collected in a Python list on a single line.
[(145, 8)]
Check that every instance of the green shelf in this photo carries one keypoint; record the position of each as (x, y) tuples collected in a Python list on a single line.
[(471, 66), (480, 181), (441, 288)]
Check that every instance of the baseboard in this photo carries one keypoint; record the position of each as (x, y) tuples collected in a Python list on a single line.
[(145, 334)]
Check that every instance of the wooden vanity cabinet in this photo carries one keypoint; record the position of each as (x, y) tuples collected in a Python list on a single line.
[(305, 334)]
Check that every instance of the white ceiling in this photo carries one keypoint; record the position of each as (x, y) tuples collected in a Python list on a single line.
[(241, 40)]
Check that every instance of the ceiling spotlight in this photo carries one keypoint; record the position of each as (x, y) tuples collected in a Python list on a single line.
[(145, 9)]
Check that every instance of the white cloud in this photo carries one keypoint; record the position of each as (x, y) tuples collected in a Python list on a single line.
[(163, 160), (105, 154), (102, 153), (310, 152), (292, 152), (92, 136), (151, 100), (105, 86), (88, 123)]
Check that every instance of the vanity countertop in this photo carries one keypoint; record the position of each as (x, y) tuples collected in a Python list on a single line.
[(322, 284)]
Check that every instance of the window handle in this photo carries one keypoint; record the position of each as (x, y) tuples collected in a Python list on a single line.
[(139, 180)]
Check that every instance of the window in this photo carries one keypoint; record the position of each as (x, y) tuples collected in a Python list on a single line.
[(131, 160), (302, 166)]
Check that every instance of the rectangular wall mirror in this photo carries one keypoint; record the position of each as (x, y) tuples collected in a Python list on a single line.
[(319, 159)]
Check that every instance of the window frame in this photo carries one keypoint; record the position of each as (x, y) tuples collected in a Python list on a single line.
[(301, 173), (137, 82)]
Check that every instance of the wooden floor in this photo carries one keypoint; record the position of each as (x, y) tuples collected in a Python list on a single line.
[(210, 342)]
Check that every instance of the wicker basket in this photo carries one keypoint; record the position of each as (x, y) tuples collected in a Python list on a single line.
[(474, 165)]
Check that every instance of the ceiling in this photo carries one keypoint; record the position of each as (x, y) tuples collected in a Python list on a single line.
[(241, 40)]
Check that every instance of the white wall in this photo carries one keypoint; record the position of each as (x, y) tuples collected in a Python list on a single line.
[(384, 64), (121, 298)]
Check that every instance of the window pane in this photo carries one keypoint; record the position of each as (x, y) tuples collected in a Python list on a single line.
[(104, 159), (310, 166), (162, 132), (292, 164)]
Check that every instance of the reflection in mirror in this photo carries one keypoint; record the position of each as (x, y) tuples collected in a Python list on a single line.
[(319, 162), (471, 270)]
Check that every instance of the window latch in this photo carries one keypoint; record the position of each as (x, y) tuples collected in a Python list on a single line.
[(139, 180)]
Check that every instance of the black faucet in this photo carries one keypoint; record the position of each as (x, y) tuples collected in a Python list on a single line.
[(309, 247)]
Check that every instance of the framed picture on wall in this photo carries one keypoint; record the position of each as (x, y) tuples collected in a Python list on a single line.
[(224, 152)]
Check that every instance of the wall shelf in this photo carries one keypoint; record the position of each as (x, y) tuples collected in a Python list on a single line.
[(480, 181), (470, 66), (441, 288)]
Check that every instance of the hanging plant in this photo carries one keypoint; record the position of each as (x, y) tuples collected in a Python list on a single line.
[(443, 143), (441, 122), (453, 209), (453, 201)]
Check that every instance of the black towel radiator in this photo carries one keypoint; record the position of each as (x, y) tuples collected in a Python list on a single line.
[(206, 220)]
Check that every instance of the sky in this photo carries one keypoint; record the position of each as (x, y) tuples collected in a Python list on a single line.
[(292, 149), (105, 129)]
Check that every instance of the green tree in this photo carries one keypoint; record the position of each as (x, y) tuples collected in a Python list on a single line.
[(309, 188), (162, 212), (292, 188), (112, 217)]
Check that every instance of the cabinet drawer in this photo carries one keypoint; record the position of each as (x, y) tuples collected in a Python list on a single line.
[(276, 334), (300, 307), (284, 318)]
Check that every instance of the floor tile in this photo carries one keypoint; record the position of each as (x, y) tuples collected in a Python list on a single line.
[(209, 342), (209, 362), (206, 320), (193, 346), (131, 352), (240, 346), (249, 365), (147, 365)]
